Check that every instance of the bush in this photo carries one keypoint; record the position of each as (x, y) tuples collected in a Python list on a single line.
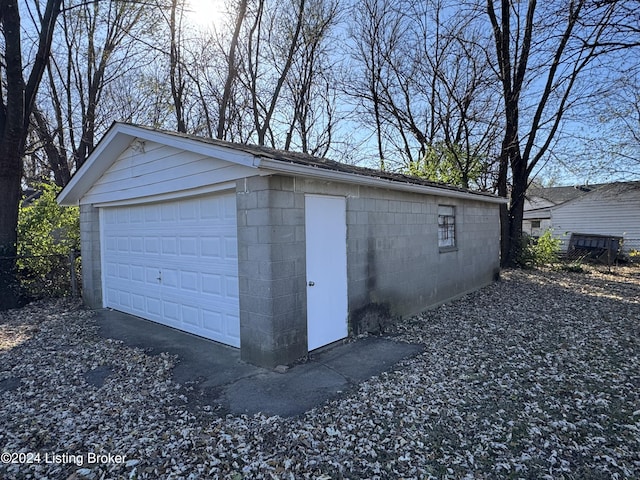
[(47, 233), (544, 250)]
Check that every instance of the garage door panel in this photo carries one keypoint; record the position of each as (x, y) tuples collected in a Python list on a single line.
[(189, 210), (212, 322), (154, 307), (124, 299), (175, 263), (233, 326), (137, 302), (137, 274), (122, 216), (112, 296), (171, 312), (231, 247), (189, 281), (232, 290), (123, 272), (136, 216), (169, 278), (110, 269), (151, 275), (191, 316), (110, 244), (210, 209), (228, 211), (152, 245), (122, 244), (169, 246), (168, 212), (211, 247), (188, 246), (212, 284), (136, 244), (151, 215)]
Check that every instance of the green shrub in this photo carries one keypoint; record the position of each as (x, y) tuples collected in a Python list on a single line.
[(544, 250), (47, 233)]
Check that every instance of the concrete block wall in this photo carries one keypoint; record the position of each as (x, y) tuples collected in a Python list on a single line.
[(476, 260), (271, 270), (90, 251), (390, 250), (393, 253), (393, 258)]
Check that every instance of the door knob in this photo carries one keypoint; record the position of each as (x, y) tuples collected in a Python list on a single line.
[(311, 284)]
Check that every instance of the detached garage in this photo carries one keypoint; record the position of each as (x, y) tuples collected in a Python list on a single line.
[(275, 253)]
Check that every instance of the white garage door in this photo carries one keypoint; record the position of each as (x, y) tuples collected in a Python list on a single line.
[(175, 263)]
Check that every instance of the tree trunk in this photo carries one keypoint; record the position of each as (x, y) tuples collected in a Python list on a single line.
[(57, 161), (175, 66), (516, 210), (503, 191), (232, 71), (18, 99), (11, 148), (10, 175)]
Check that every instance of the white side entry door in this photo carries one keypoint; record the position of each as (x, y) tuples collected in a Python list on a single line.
[(326, 264)]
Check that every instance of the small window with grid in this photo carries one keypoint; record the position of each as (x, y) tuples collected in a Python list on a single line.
[(446, 227)]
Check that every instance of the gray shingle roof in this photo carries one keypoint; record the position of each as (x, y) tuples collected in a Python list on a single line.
[(558, 195)]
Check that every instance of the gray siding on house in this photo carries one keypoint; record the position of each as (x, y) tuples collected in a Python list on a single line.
[(610, 210)]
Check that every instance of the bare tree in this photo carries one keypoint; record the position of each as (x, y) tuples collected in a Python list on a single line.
[(425, 83), (541, 52), (176, 65), (309, 88), (376, 32), (610, 143), (232, 69), (96, 46), (273, 44), (18, 96)]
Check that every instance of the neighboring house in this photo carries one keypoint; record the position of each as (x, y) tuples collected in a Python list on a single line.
[(538, 204), (611, 209), (276, 253)]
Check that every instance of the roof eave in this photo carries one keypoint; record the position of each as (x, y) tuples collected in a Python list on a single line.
[(278, 166)]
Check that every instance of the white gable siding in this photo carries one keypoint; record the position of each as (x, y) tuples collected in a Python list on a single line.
[(613, 210), (147, 169)]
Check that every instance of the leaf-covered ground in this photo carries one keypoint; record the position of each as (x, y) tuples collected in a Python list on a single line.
[(536, 376)]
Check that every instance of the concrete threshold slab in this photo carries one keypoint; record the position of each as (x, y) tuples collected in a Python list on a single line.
[(215, 376)]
